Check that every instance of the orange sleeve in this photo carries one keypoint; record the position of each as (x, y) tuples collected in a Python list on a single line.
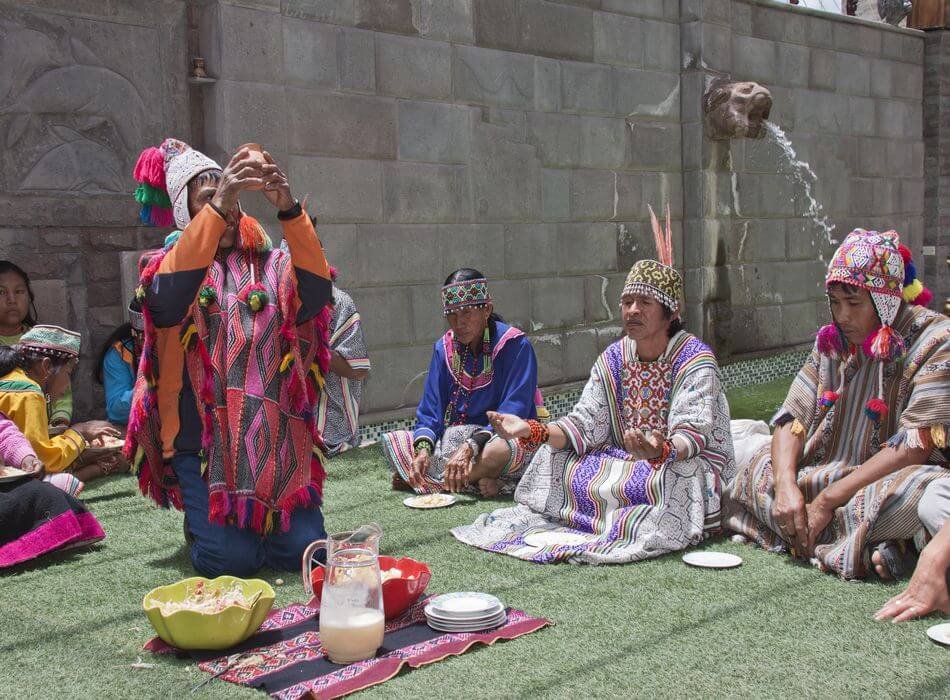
[(198, 243), (305, 248)]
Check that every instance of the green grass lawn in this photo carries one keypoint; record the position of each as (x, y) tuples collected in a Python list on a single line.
[(72, 625)]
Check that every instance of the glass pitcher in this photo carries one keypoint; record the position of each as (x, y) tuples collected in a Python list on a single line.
[(351, 603)]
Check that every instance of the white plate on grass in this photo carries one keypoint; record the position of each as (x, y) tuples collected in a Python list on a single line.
[(430, 500), (712, 560), (465, 604), (553, 538), (940, 633)]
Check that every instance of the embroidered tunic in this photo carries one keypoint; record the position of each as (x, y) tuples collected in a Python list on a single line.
[(596, 503)]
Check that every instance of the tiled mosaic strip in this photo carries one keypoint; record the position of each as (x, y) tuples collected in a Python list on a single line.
[(737, 374)]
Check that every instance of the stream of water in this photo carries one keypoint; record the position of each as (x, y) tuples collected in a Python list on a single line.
[(802, 173)]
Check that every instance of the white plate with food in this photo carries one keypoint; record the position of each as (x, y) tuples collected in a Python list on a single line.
[(554, 538), (712, 560), (430, 500), (107, 442), (940, 633)]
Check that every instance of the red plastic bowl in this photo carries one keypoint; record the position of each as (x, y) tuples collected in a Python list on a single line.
[(398, 593)]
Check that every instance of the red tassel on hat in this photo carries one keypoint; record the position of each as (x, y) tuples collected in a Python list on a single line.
[(885, 345)]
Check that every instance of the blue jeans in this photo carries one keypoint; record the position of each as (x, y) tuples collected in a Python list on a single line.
[(226, 549)]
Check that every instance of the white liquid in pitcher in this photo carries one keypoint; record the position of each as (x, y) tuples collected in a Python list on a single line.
[(352, 635)]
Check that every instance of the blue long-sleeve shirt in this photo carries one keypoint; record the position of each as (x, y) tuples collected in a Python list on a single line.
[(512, 388), (118, 377)]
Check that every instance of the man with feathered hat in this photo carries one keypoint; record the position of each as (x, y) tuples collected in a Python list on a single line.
[(863, 430), (235, 352), (634, 471)]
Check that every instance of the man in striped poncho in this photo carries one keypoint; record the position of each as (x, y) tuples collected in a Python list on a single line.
[(864, 428)]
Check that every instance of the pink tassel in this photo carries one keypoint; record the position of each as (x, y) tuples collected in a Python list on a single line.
[(924, 298), (150, 168), (884, 345), (242, 512), (257, 516), (219, 507), (829, 342), (161, 217)]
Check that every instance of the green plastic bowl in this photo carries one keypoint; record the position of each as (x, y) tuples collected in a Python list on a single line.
[(189, 629)]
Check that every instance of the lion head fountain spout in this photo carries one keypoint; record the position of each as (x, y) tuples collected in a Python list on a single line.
[(736, 110)]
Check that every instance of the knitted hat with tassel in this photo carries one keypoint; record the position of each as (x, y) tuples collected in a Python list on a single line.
[(878, 263)]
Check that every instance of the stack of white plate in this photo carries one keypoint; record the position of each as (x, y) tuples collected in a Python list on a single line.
[(465, 612)]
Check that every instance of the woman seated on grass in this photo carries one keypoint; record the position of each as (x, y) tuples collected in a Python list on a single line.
[(36, 517), (35, 371), (17, 316), (118, 363), (864, 428)]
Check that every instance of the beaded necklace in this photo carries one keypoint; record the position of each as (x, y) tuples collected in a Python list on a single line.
[(456, 413)]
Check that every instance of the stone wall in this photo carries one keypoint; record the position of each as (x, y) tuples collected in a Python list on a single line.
[(937, 144), (848, 95), (83, 85), (521, 137)]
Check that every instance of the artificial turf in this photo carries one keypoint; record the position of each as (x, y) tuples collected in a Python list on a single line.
[(72, 624)]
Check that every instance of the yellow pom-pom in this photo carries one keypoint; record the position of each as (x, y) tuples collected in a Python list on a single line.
[(913, 290)]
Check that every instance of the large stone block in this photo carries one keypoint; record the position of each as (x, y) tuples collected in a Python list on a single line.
[(754, 59), (643, 8), (447, 20), (557, 137), (857, 38), (600, 304), (505, 178), (555, 194), (585, 87), (799, 322), (512, 300), (557, 302), (420, 193), (599, 195), (331, 11), (794, 65), (588, 247), (340, 245), (481, 246), (484, 76), (659, 189), (344, 190), (764, 195), (898, 119), (580, 352), (245, 112), (862, 116), (547, 84), (496, 24), (559, 31), (615, 40), (243, 44), (822, 112), (385, 15), (911, 195), (436, 132), (908, 81), (661, 45), (853, 74), (549, 351), (645, 93), (903, 47), (310, 53), (409, 67), (758, 240), (398, 254), (397, 378), (386, 315), (344, 125), (531, 249), (602, 142), (822, 69), (357, 50), (654, 146), (428, 323)]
